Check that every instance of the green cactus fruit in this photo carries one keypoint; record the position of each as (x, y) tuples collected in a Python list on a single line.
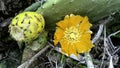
[(26, 26)]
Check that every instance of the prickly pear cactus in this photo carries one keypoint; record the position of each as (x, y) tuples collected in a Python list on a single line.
[(55, 10)]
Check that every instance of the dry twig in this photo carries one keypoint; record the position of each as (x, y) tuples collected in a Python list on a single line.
[(30, 61)]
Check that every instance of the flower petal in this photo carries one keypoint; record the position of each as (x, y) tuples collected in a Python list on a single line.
[(64, 46), (72, 50), (83, 47), (85, 25), (58, 35), (64, 23), (86, 35), (86, 38), (75, 20), (80, 48)]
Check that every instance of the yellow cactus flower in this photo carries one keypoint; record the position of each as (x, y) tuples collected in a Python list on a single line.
[(26, 26), (74, 35)]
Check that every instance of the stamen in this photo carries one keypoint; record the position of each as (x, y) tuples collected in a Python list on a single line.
[(72, 35)]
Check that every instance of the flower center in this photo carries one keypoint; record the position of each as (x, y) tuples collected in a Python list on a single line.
[(72, 34)]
